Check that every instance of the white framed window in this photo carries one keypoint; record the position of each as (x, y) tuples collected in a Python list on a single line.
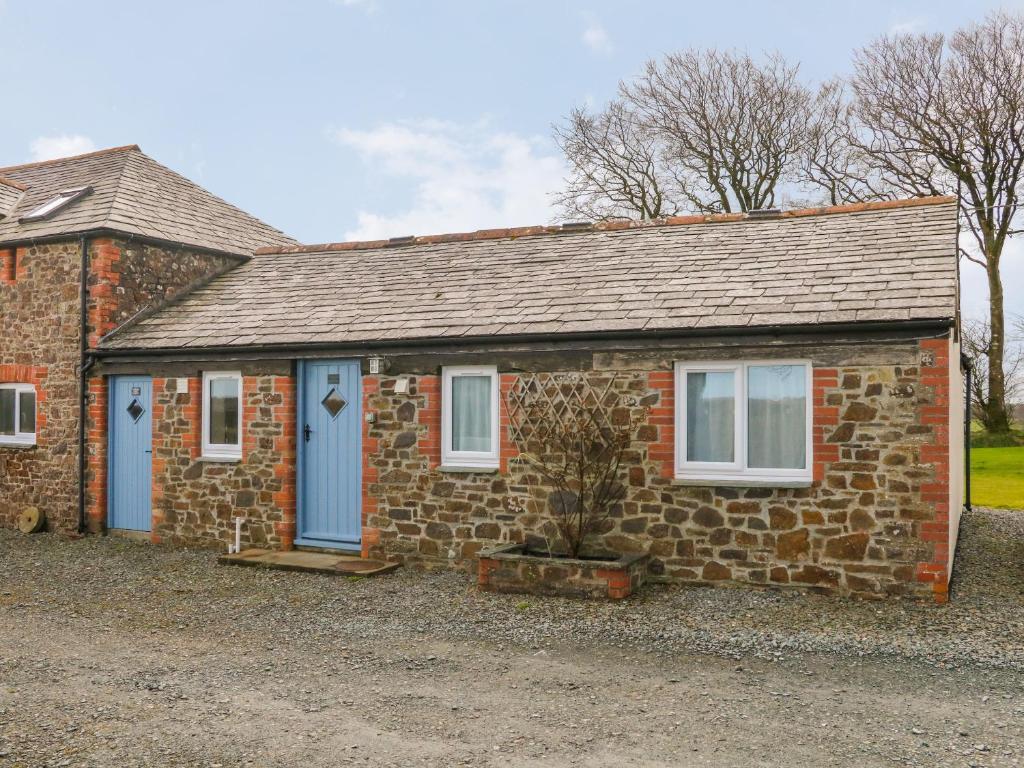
[(746, 421), (469, 416), (17, 414), (55, 204), (222, 415)]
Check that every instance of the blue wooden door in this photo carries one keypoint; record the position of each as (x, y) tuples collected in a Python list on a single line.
[(130, 453), (330, 454)]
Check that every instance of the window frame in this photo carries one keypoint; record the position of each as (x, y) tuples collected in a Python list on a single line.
[(221, 451), (470, 459), (21, 438), (54, 205), (738, 471)]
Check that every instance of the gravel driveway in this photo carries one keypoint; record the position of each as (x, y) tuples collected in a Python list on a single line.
[(114, 653)]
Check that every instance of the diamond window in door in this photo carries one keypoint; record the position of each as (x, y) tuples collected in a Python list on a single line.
[(334, 403), (135, 410)]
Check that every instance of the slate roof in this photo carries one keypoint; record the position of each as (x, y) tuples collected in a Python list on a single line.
[(868, 262), (133, 194)]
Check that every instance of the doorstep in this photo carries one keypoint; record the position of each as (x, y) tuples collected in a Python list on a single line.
[(309, 562)]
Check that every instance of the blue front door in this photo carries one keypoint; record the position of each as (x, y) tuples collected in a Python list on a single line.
[(130, 454), (330, 455)]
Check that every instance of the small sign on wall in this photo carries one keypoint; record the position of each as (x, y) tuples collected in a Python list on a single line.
[(181, 386)]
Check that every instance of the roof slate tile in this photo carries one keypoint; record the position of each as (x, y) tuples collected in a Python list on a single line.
[(892, 262), (133, 194)]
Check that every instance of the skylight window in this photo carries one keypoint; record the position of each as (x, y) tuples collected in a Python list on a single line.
[(54, 204)]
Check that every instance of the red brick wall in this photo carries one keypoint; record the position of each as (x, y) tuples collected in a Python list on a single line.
[(8, 266), (284, 414), (935, 414), (826, 419), (662, 450), (371, 445), (96, 472), (429, 444)]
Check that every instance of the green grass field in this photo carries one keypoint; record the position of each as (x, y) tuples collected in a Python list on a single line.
[(997, 477)]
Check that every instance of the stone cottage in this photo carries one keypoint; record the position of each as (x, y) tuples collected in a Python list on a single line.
[(86, 243), (795, 378)]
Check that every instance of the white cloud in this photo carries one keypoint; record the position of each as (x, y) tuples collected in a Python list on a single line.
[(65, 145), (464, 177), (367, 6), (908, 26), (596, 38)]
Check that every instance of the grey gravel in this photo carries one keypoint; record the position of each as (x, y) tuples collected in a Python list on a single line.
[(119, 653)]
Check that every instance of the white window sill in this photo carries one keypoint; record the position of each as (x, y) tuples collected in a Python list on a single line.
[(222, 459), (9, 443), (750, 482), (460, 468)]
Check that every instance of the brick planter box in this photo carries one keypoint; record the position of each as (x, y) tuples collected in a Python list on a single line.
[(508, 569)]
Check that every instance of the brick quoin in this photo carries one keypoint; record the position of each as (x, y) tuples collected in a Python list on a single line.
[(8, 266), (935, 379), (96, 485), (104, 279), (285, 470), (506, 448), (662, 416), (430, 416), (19, 265), (371, 445), (158, 463), (824, 422)]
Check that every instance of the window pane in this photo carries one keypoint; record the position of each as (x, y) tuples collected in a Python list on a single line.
[(471, 413), (27, 412), (7, 411), (710, 416), (224, 411), (777, 416)]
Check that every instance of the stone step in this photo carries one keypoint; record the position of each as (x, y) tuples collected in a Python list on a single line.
[(329, 564)]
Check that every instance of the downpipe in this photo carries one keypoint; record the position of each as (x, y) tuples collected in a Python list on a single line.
[(85, 363)]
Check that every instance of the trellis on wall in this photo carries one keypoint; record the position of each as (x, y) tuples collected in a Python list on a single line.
[(560, 396)]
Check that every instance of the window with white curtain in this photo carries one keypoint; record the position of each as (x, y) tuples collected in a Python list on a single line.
[(222, 415), (17, 414), (744, 421), (469, 416)]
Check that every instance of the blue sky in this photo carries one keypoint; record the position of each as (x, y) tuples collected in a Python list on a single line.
[(341, 119)]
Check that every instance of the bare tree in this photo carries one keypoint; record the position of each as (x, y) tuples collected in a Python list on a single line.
[(976, 343), (833, 160), (615, 168), (731, 129), (946, 117)]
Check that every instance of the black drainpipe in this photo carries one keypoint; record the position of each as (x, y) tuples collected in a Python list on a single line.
[(83, 379), (967, 434)]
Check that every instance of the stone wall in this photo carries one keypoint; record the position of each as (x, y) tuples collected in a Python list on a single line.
[(874, 521), (39, 344), (195, 500), (127, 277), (40, 325)]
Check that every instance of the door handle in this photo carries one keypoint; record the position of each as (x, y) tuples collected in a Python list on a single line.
[(306, 432)]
